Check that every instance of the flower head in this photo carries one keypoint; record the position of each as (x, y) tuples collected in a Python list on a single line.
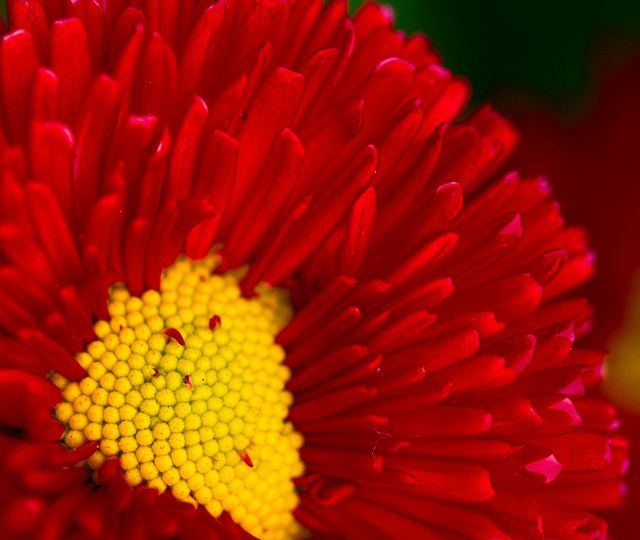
[(277, 288)]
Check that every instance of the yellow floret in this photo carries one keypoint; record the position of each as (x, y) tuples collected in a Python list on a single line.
[(111, 415), (96, 460), (109, 447), (78, 421), (148, 470), (127, 428), (110, 431), (88, 386), (171, 477), (133, 477), (128, 444), (128, 461), (166, 397), (144, 437), (166, 413)]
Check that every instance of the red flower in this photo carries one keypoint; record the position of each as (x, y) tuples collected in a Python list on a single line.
[(433, 374)]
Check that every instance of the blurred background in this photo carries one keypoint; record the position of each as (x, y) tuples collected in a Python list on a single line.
[(542, 46)]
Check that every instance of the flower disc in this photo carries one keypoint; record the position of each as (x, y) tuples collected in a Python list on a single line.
[(186, 386)]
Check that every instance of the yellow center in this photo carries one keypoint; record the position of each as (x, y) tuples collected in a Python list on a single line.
[(186, 385)]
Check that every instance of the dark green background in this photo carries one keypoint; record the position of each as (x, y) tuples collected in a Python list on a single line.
[(545, 46)]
